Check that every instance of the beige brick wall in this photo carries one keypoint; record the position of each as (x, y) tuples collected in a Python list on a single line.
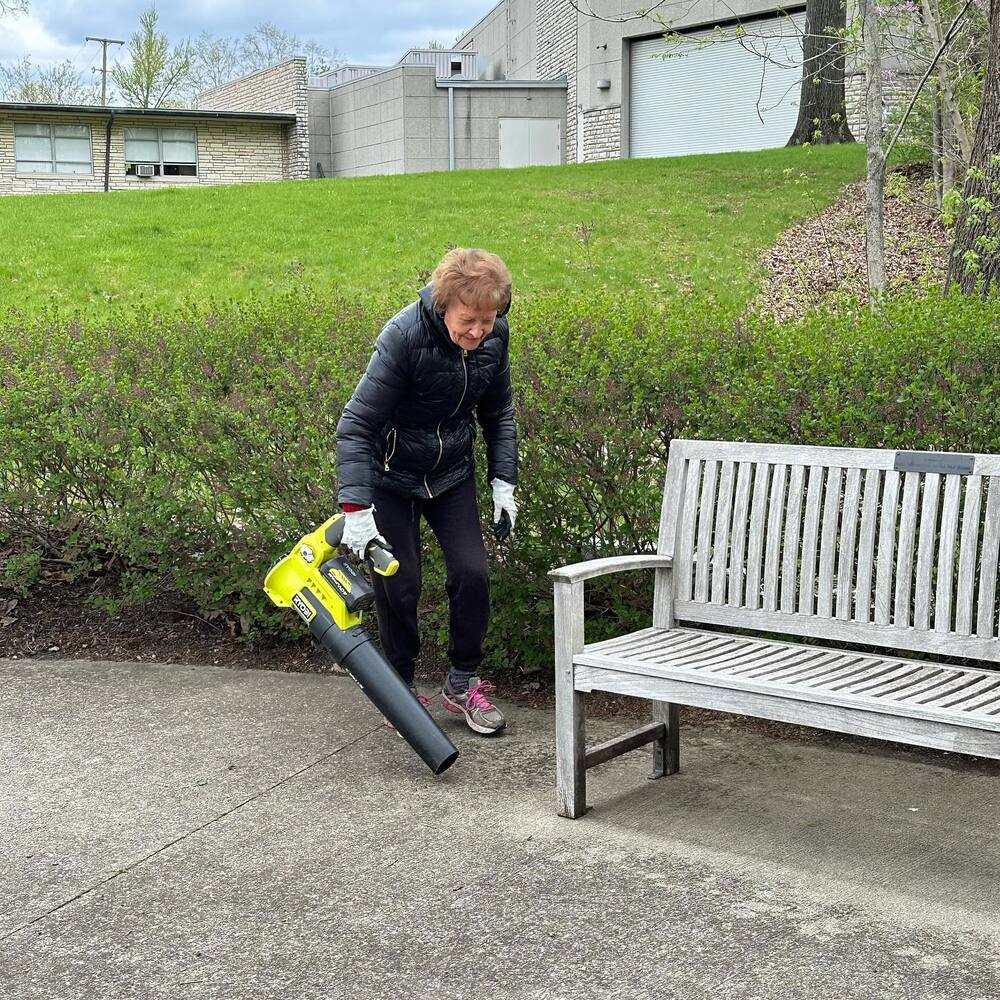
[(602, 134), (279, 88), (896, 93), (229, 152)]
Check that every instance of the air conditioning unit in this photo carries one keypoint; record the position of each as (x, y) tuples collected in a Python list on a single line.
[(145, 170)]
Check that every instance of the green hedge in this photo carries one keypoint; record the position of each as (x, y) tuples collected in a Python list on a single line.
[(186, 453)]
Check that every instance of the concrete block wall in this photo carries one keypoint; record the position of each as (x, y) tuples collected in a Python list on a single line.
[(397, 122), (365, 121), (280, 88), (229, 152), (477, 123), (320, 125), (505, 39)]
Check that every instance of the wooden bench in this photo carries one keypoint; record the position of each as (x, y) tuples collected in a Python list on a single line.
[(843, 547)]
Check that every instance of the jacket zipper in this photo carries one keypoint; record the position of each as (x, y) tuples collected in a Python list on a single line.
[(392, 450), (465, 389)]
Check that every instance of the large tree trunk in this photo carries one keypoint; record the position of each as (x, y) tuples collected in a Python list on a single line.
[(875, 159), (822, 106), (975, 259)]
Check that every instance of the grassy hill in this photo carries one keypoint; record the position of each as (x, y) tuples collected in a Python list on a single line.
[(677, 226)]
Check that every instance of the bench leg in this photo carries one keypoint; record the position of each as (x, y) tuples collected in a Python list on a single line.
[(667, 751), (571, 749), (571, 769)]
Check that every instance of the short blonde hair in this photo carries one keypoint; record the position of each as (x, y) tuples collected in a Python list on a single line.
[(474, 277)]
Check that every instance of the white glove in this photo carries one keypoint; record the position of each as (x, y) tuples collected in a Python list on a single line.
[(359, 530), (503, 500)]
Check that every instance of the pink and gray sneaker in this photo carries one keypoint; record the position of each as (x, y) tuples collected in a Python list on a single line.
[(422, 698), (481, 715)]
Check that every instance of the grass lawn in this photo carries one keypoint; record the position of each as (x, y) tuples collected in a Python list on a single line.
[(676, 226)]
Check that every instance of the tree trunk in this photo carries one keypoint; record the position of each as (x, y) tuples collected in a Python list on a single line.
[(875, 159), (957, 129), (822, 106), (937, 146), (975, 259)]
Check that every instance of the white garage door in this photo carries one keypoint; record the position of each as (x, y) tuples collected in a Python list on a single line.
[(530, 142), (706, 100)]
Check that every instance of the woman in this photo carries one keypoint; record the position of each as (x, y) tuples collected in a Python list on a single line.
[(405, 451)]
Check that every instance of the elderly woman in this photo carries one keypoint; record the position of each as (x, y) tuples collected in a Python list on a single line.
[(405, 451)]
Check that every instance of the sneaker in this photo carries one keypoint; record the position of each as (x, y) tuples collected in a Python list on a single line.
[(422, 698), (481, 715)]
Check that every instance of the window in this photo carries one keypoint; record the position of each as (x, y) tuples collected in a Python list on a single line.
[(53, 149), (172, 152)]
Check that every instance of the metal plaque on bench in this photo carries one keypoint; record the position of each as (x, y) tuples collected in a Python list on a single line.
[(944, 463)]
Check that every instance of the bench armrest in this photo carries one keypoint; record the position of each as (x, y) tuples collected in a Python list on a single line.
[(613, 564)]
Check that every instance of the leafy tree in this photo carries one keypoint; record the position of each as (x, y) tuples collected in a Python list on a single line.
[(155, 69), (60, 83)]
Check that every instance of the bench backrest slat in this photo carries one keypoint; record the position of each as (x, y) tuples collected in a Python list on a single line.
[(907, 538), (988, 570), (925, 554), (852, 497), (723, 516), (876, 547), (968, 553)]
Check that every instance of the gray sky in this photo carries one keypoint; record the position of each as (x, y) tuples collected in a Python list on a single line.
[(379, 31)]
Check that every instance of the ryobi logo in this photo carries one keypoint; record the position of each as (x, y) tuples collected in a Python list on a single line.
[(303, 608)]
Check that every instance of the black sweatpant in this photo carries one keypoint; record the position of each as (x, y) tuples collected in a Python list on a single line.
[(454, 519)]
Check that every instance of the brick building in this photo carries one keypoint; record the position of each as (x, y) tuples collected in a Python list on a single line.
[(254, 129)]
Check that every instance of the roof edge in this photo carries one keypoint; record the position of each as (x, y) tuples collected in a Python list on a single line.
[(23, 107)]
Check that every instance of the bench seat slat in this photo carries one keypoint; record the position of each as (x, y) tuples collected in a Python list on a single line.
[(835, 630), (846, 689), (962, 736)]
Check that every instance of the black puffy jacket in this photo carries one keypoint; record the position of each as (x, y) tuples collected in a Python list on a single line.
[(409, 426)]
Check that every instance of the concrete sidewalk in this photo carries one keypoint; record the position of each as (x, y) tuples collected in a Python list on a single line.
[(174, 831)]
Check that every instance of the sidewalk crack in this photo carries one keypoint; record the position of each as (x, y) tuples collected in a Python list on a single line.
[(190, 833)]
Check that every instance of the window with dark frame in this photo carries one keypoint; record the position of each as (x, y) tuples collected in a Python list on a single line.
[(172, 152), (44, 148)]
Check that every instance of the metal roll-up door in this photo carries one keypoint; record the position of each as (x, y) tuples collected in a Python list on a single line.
[(706, 99)]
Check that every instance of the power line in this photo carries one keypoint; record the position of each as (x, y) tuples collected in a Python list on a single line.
[(105, 42)]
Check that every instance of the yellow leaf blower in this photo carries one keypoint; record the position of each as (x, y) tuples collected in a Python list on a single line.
[(330, 594)]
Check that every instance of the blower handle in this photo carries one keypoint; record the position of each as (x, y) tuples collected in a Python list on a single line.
[(379, 557)]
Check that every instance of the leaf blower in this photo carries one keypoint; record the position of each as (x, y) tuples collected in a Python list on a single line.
[(330, 594)]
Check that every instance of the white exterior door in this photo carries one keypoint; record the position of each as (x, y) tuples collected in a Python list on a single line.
[(706, 99), (530, 142)]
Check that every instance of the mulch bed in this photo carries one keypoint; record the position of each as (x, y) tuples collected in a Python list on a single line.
[(824, 256)]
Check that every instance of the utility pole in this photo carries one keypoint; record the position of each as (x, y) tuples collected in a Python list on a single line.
[(105, 42)]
